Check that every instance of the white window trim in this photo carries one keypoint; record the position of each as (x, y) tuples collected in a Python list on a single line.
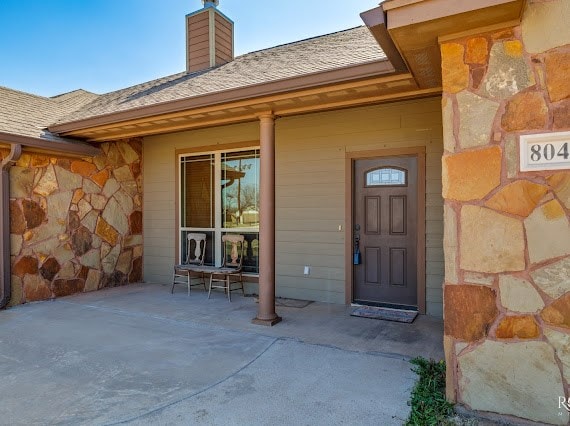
[(217, 230)]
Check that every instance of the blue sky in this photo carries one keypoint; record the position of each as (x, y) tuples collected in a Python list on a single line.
[(48, 47)]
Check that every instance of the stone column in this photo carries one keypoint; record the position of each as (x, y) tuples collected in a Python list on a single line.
[(266, 309), (507, 232)]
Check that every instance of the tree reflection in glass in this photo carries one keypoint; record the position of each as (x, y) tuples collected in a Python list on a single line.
[(240, 190)]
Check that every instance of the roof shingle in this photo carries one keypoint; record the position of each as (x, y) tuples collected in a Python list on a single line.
[(24, 114), (347, 48)]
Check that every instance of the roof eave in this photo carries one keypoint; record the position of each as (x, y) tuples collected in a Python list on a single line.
[(320, 79), (416, 27), (72, 148), (376, 21)]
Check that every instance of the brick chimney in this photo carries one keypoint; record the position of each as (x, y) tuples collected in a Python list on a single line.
[(209, 38)]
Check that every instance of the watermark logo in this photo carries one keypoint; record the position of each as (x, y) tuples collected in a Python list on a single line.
[(563, 404)]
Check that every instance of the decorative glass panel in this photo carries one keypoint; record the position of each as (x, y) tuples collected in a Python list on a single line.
[(386, 177)]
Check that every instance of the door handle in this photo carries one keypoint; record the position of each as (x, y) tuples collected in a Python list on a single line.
[(357, 257)]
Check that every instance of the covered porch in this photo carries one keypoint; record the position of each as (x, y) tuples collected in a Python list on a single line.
[(318, 323), (139, 355)]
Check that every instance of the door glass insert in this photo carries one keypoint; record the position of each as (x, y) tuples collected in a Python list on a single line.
[(386, 176)]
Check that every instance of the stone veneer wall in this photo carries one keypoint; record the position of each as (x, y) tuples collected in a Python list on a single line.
[(76, 225), (507, 233)]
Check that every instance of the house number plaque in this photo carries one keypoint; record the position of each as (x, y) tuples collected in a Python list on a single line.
[(546, 151)]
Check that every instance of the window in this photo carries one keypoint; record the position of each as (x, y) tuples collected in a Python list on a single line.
[(386, 176), (219, 194)]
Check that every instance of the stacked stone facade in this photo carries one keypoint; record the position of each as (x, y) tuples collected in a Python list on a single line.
[(507, 233), (76, 224)]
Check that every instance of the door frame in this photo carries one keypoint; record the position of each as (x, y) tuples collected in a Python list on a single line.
[(420, 153)]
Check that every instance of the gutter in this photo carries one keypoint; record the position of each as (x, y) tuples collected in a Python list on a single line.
[(62, 146), (5, 267), (377, 22)]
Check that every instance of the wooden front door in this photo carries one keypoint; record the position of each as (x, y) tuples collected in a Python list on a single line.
[(385, 228)]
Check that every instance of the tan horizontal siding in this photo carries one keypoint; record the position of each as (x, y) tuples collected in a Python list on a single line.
[(200, 63), (324, 295), (309, 165), (195, 38), (313, 224), (222, 22), (199, 55), (293, 202), (308, 236), (302, 248), (222, 50), (224, 40), (311, 180), (221, 61), (434, 213), (199, 20), (435, 308), (198, 49), (222, 58), (164, 242), (327, 273), (310, 283), (310, 190), (224, 29), (333, 261), (435, 268), (434, 294), (223, 47), (301, 213), (434, 227), (160, 196)]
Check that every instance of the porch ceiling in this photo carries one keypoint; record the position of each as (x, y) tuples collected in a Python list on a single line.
[(365, 91), (418, 26)]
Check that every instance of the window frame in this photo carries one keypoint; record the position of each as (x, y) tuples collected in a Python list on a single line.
[(217, 230)]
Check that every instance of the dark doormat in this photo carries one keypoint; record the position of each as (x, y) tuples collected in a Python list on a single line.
[(387, 314)]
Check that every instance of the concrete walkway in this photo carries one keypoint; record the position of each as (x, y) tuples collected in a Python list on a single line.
[(139, 355)]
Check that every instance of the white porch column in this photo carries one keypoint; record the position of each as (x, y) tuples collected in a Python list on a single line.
[(266, 309)]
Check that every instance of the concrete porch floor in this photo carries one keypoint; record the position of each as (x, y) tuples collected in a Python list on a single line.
[(140, 355)]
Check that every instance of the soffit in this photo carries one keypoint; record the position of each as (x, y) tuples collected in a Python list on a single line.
[(313, 99), (416, 26)]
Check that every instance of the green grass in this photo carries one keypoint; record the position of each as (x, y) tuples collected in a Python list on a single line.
[(429, 406)]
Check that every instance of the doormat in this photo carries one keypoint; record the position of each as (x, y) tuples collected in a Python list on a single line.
[(289, 303), (386, 314)]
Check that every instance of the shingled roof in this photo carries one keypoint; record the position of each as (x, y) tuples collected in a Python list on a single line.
[(330, 52), (24, 114)]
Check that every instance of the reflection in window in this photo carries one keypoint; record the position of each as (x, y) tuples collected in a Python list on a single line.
[(386, 176), (250, 251), (234, 177), (240, 189)]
